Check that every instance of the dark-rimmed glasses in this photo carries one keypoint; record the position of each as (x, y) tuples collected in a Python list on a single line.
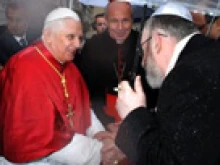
[(147, 40)]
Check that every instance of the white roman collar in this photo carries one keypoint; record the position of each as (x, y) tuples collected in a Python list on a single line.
[(177, 51)]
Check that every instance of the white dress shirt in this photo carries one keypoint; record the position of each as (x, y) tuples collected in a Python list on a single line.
[(18, 39), (177, 51)]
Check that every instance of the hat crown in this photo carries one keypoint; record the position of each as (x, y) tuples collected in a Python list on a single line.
[(61, 13), (175, 9)]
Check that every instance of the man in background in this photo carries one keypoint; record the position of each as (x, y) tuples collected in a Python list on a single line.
[(207, 24), (109, 57), (14, 38), (100, 23)]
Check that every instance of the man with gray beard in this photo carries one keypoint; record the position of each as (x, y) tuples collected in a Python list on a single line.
[(183, 129)]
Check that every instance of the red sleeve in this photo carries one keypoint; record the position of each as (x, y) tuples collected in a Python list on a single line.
[(28, 128)]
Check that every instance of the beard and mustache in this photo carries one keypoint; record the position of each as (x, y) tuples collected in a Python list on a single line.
[(154, 75)]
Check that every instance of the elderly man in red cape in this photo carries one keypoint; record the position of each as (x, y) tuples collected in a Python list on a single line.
[(45, 111)]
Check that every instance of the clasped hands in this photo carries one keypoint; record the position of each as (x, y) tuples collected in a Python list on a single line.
[(110, 153), (128, 100)]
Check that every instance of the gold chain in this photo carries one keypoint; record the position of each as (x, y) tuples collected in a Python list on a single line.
[(70, 113), (62, 76)]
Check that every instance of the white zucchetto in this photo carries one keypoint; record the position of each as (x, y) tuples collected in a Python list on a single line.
[(61, 13), (172, 8)]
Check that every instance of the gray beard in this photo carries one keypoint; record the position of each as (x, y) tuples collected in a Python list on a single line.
[(154, 75)]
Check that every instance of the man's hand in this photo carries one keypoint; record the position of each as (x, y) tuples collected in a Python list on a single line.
[(128, 98), (110, 153)]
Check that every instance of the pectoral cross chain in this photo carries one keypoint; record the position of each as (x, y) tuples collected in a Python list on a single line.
[(70, 113), (63, 81)]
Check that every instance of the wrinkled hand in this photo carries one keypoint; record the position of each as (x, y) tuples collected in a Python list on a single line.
[(111, 133), (102, 135), (113, 128), (110, 152), (128, 98)]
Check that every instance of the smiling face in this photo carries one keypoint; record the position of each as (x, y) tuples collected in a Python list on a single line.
[(64, 40), (119, 19)]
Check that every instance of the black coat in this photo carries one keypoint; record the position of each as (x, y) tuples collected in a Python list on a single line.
[(9, 46), (97, 63), (185, 128)]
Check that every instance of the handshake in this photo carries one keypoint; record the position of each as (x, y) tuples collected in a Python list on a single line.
[(110, 153)]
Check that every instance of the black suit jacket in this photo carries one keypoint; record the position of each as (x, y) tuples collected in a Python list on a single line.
[(98, 64), (9, 46), (185, 128)]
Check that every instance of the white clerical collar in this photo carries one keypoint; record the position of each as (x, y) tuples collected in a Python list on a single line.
[(177, 51)]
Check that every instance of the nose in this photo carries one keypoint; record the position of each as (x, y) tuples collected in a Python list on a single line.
[(120, 24), (13, 23), (77, 42), (103, 26)]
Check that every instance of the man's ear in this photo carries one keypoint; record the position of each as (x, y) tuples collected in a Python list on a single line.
[(156, 43), (47, 35)]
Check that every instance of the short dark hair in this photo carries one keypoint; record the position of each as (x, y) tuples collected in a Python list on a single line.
[(94, 24), (99, 15), (15, 6)]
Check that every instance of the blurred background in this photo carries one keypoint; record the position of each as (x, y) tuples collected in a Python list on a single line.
[(38, 9)]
